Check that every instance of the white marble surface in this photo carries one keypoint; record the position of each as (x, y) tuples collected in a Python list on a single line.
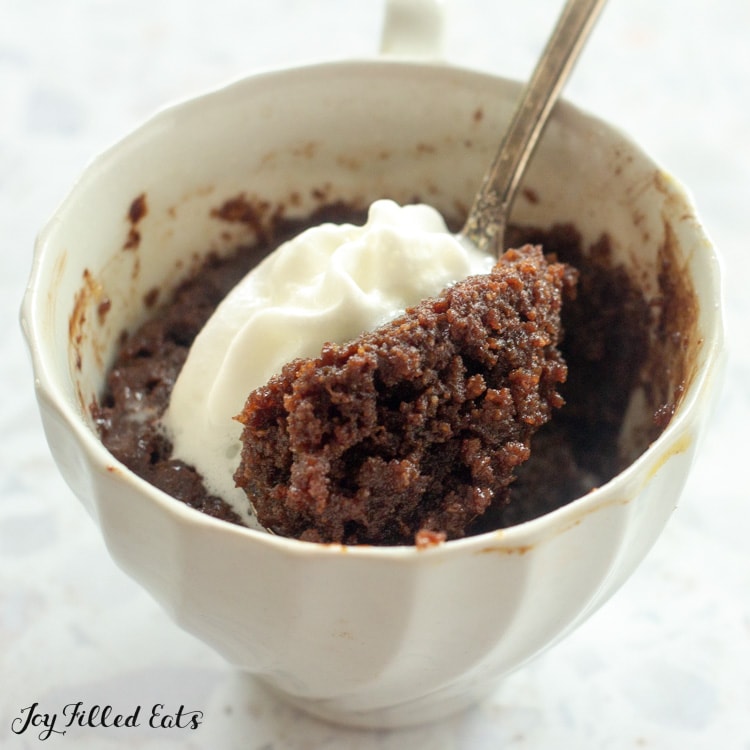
[(665, 664)]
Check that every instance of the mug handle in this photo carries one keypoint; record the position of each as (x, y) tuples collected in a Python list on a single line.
[(413, 28)]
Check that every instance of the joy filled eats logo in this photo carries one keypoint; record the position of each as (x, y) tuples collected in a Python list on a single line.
[(34, 720)]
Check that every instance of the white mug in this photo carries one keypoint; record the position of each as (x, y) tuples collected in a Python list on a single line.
[(360, 635)]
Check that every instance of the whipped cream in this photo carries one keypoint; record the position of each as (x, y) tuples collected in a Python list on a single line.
[(329, 284)]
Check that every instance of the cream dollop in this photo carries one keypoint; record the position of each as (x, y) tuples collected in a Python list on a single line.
[(329, 284)]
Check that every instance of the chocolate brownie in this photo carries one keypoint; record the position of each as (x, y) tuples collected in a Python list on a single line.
[(418, 425)]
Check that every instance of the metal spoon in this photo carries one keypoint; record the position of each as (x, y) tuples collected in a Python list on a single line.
[(488, 218)]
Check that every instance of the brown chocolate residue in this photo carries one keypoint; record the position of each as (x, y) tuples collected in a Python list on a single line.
[(255, 214), (306, 150), (133, 239), (78, 317), (425, 148), (151, 297), (531, 195), (676, 342), (90, 293), (102, 309), (137, 210), (320, 194)]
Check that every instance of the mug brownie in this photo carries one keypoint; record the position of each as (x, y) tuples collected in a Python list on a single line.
[(447, 369), (418, 426)]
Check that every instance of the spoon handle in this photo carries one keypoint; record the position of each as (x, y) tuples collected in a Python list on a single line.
[(487, 220)]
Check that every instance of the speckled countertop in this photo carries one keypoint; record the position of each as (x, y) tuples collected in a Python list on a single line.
[(665, 664)]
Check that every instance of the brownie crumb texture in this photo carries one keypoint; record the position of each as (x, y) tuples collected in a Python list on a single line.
[(410, 433)]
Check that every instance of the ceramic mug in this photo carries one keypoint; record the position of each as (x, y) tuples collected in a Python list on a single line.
[(360, 635)]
